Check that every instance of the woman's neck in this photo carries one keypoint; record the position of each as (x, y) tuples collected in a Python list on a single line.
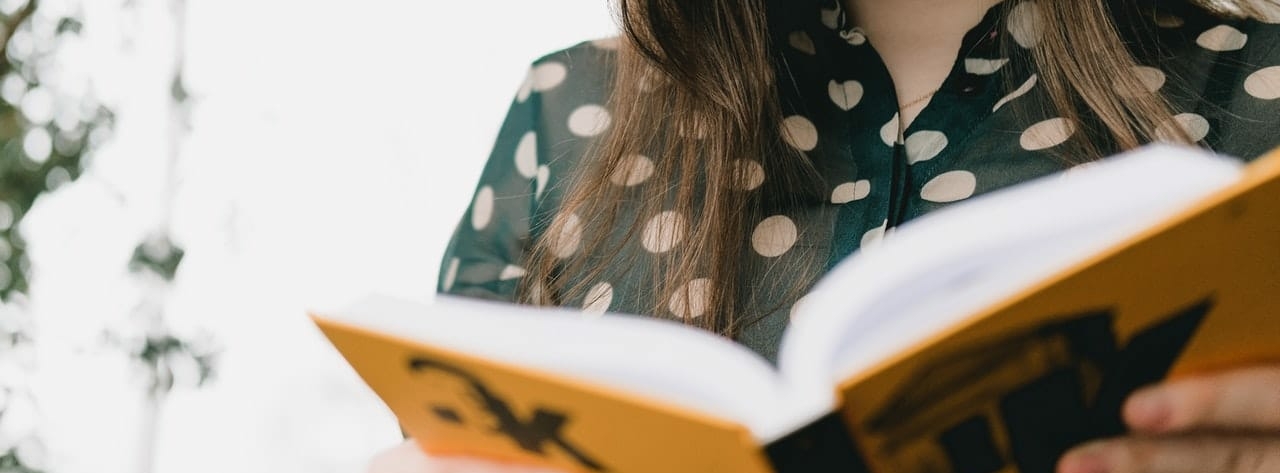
[(918, 41)]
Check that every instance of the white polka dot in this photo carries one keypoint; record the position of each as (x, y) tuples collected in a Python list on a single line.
[(851, 191), (845, 95), (1026, 24), (950, 187), (831, 17), (875, 235), (610, 43), (1222, 38), (1195, 126), (566, 235), (1264, 84), (1168, 20), (663, 232), (925, 145), (450, 275), (549, 75), (750, 174), (1022, 90), (633, 171), (527, 155), (544, 174), (890, 131), (800, 133), (1152, 80), (774, 236), (802, 42), (984, 67), (598, 299), (526, 88), (589, 120), (692, 300), (1047, 134), (512, 272), (855, 36), (482, 208)]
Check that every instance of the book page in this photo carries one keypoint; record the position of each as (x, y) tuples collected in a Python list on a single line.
[(1015, 385), (649, 358), (944, 267), (455, 403)]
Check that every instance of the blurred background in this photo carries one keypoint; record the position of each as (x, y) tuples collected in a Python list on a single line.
[(181, 179)]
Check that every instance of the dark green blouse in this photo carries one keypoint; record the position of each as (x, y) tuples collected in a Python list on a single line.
[(987, 128)]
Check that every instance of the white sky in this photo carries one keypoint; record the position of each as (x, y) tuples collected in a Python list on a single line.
[(335, 143)]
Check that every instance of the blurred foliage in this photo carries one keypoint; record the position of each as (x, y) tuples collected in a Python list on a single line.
[(168, 358), (163, 354), (159, 351), (158, 255), (12, 463), (46, 135)]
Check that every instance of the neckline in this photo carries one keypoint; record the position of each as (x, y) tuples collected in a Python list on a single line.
[(830, 20)]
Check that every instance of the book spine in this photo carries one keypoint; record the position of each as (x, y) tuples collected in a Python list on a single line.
[(823, 446)]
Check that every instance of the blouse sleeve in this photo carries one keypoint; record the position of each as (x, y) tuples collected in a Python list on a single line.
[(484, 255), (1247, 101), (551, 124), (1222, 77)]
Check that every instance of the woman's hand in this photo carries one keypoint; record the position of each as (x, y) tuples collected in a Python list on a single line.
[(408, 458), (1226, 423)]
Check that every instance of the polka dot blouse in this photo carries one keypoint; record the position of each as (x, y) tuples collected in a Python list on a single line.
[(987, 128)]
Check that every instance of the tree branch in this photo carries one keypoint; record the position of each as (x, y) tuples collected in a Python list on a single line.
[(11, 26)]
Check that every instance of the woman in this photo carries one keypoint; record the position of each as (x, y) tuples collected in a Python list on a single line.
[(714, 163)]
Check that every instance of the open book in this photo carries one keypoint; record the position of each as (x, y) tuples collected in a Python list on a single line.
[(986, 337)]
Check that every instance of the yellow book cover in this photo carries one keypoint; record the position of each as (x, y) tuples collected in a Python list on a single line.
[(993, 350)]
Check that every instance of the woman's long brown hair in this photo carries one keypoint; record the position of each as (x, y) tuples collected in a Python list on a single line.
[(696, 89)]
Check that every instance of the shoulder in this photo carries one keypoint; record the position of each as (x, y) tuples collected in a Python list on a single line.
[(1232, 51), (1241, 92), (585, 55), (551, 122), (568, 91), (562, 103), (1252, 36), (1221, 73), (579, 73), (567, 96)]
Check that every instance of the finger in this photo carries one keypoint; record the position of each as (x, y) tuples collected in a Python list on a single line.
[(1176, 455), (408, 457), (1239, 400), (404, 458), (469, 465)]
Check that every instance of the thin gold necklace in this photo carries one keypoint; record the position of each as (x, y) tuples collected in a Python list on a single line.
[(915, 102)]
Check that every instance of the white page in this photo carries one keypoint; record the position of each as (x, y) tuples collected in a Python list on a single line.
[(661, 360), (940, 269), (868, 308)]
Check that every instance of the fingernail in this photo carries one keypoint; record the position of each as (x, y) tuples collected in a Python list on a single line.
[(1149, 409), (1087, 460)]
